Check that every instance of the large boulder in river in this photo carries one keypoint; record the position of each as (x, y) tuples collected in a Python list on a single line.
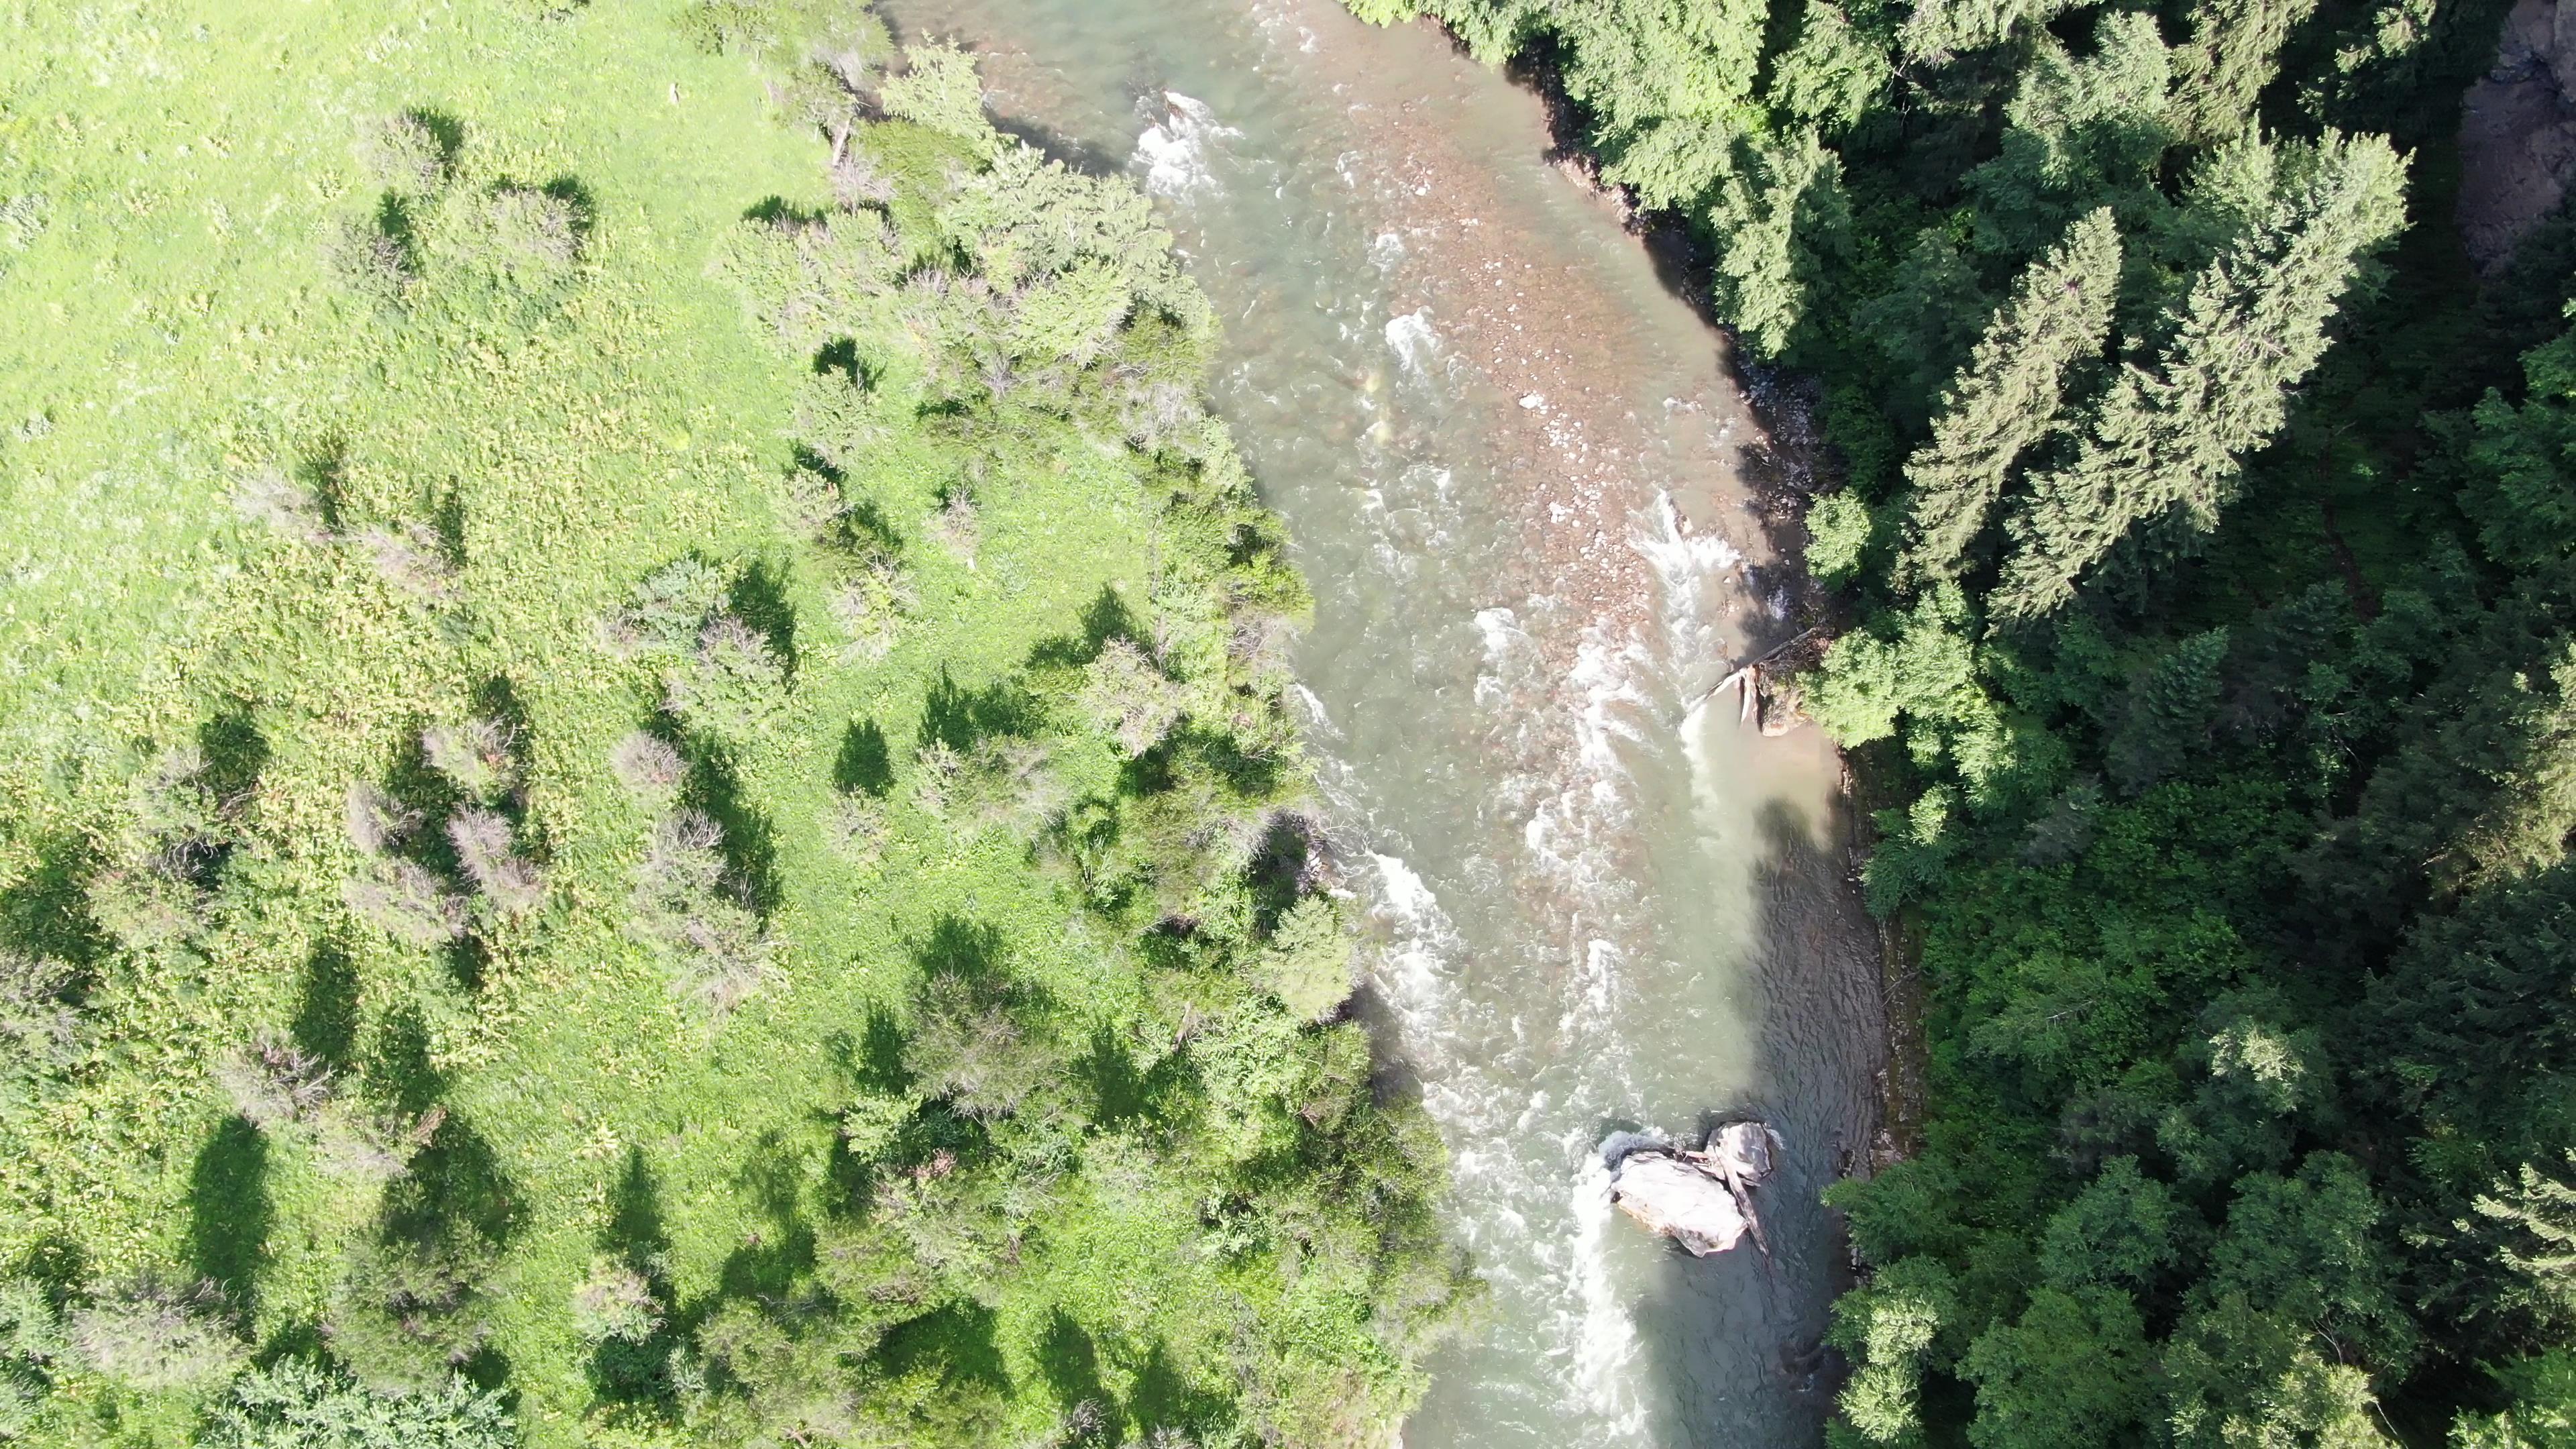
[(1701, 1200), (1669, 1196)]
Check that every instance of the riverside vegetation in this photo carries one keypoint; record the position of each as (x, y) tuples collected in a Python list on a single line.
[(645, 800), (2204, 525)]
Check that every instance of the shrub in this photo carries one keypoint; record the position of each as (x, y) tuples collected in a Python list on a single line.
[(151, 1334), (477, 757), (714, 947), (667, 609), (1837, 532), (854, 826), (31, 1341), (145, 906), (871, 606), (406, 902), (299, 1404), (532, 234), (377, 823), (732, 682), (413, 559), (403, 155), (1308, 965), (956, 526), (980, 1045), (368, 260), (285, 507), (412, 1310), (40, 1031), (272, 1082), (507, 879), (616, 1302), (1130, 697), (939, 89), (648, 766)]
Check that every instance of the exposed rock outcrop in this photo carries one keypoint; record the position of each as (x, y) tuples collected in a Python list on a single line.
[(2518, 132)]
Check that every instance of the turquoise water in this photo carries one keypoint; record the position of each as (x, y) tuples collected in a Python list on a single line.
[(1511, 458)]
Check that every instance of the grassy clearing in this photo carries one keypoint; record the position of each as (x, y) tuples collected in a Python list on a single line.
[(811, 966)]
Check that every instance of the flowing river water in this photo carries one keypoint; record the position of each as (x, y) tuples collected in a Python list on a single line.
[(1514, 466)]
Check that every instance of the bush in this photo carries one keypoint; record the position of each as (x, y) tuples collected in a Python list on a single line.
[(404, 155), (854, 826), (377, 823), (731, 684), (616, 1302), (1130, 696), (484, 847), (477, 757), (368, 260), (871, 606), (287, 508), (31, 1342), (667, 610), (980, 1044), (413, 1310), (413, 559), (299, 1404), (146, 906), (1837, 533), (272, 1082), (532, 233), (957, 525), (1308, 965), (405, 901), (713, 945), (648, 766), (152, 1334)]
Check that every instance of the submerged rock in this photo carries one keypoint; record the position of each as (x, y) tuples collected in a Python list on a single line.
[(1701, 1200)]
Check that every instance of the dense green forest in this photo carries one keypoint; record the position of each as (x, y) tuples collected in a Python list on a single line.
[(2207, 547), (642, 792)]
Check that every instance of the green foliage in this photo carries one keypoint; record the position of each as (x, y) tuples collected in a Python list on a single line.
[(2007, 399), (596, 899), (2165, 447), (298, 1405), (1782, 214), (2222, 796), (1838, 527)]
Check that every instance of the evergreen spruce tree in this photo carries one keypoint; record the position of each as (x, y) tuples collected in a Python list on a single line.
[(1780, 213), (2171, 439), (2006, 398), (2234, 51)]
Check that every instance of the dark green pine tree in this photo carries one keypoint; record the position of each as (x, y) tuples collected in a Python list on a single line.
[(2006, 398), (2170, 440)]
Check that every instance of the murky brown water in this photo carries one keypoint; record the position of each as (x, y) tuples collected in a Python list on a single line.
[(1510, 458)]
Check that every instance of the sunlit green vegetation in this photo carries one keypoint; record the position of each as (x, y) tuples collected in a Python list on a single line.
[(644, 793), (2208, 630)]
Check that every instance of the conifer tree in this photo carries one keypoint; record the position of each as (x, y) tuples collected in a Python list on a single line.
[(1939, 29), (2085, 131), (2006, 398), (2234, 50), (1781, 213), (2171, 440)]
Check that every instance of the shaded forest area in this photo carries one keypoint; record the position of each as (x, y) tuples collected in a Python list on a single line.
[(643, 796), (2209, 554)]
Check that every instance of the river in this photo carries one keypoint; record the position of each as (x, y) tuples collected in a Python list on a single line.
[(1513, 463)]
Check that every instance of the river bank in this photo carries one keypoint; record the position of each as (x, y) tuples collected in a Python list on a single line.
[(1523, 481)]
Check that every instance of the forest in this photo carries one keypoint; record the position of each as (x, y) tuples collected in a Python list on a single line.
[(2199, 515), (643, 793)]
